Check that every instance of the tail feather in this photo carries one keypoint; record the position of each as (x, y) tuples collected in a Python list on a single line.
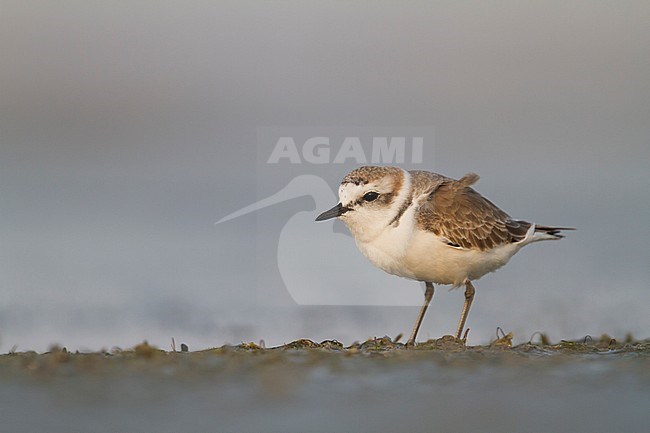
[(553, 231)]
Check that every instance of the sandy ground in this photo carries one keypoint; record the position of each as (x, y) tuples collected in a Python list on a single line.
[(600, 385)]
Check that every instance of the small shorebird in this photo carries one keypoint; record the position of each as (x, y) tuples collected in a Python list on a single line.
[(431, 228)]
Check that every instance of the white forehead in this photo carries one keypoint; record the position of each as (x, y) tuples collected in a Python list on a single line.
[(350, 192)]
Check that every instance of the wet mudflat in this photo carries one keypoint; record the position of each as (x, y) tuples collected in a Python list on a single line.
[(379, 385)]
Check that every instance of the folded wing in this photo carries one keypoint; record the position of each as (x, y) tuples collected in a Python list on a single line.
[(466, 219)]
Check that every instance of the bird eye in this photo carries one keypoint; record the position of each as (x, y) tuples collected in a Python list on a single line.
[(371, 196)]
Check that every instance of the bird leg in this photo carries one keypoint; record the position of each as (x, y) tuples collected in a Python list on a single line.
[(428, 295), (469, 297)]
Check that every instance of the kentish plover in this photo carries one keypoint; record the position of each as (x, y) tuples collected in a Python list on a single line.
[(431, 228)]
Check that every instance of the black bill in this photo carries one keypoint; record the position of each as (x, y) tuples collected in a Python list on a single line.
[(336, 211)]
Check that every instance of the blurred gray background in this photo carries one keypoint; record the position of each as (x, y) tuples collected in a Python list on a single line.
[(127, 129)]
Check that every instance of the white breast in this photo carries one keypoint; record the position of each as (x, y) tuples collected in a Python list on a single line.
[(423, 256), (388, 250)]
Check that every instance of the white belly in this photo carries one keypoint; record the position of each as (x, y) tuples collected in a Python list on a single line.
[(425, 257)]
